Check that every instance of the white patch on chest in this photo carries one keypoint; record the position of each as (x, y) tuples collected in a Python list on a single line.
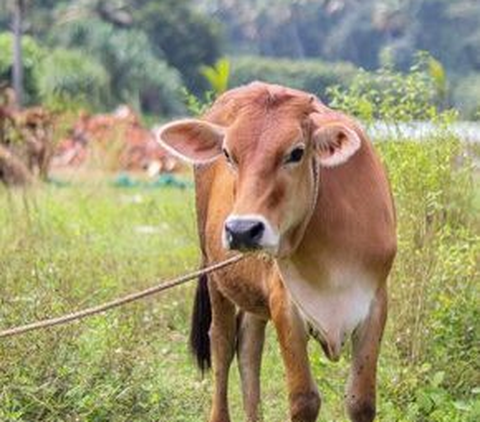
[(334, 304)]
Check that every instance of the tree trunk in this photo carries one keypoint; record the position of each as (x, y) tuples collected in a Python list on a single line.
[(17, 74)]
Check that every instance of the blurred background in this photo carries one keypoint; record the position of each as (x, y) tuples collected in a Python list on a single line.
[(100, 53), (91, 207)]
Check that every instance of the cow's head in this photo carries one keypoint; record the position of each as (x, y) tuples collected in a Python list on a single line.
[(274, 141)]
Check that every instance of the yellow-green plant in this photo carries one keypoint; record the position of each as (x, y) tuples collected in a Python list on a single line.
[(217, 75)]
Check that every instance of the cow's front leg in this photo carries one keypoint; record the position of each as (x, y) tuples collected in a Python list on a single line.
[(251, 337), (292, 336), (360, 396), (222, 343)]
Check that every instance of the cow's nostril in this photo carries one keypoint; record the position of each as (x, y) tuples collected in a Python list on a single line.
[(256, 231), (244, 233)]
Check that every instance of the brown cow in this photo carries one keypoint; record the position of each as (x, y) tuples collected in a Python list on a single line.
[(280, 174)]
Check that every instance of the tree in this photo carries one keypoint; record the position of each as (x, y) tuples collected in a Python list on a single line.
[(66, 76), (32, 54), (135, 75), (185, 38), (18, 9)]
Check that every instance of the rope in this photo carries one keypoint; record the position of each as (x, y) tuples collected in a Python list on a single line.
[(120, 301)]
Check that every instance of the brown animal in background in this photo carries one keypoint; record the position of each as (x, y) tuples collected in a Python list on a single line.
[(117, 140), (35, 126), (278, 173), (26, 140)]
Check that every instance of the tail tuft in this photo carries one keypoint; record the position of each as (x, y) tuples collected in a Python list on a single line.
[(200, 325)]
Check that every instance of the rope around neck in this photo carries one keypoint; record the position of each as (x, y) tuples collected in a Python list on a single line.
[(120, 301)]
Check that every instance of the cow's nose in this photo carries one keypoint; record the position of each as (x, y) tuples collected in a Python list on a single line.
[(243, 234)]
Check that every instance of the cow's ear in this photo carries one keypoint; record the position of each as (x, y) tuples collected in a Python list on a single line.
[(335, 142), (192, 140)]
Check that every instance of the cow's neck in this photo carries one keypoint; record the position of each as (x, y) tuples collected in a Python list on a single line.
[(332, 290)]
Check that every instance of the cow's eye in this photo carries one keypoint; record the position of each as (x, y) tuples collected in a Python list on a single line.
[(228, 157), (295, 156)]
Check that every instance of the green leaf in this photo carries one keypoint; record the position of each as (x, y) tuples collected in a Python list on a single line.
[(217, 75), (438, 379)]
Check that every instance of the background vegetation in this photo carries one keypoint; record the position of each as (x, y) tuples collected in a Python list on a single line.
[(143, 51)]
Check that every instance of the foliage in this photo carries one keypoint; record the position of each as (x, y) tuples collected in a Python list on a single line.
[(359, 32), (393, 96), (187, 35), (66, 77), (32, 56), (196, 105), (434, 295), (309, 75), (217, 75), (136, 75), (186, 38)]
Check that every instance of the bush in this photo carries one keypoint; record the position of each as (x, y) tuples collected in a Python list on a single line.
[(433, 289), (394, 96), (67, 76), (309, 75)]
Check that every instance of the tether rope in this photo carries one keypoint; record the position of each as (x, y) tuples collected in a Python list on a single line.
[(120, 301)]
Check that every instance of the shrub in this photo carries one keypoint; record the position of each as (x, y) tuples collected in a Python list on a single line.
[(68, 76), (433, 289), (393, 96)]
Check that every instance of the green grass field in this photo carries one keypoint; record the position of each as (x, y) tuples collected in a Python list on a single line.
[(73, 247)]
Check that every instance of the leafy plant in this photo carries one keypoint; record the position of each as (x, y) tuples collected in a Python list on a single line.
[(217, 75), (197, 105), (393, 96)]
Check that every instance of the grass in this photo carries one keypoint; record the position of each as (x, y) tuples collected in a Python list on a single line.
[(69, 248)]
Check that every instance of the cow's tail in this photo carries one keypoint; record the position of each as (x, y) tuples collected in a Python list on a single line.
[(200, 325)]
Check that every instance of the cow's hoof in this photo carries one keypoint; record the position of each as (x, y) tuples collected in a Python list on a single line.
[(305, 407), (361, 411)]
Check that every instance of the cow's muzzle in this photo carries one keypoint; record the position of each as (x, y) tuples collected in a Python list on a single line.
[(248, 233)]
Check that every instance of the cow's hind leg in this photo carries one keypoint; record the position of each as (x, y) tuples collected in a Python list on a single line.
[(360, 396), (251, 337), (292, 336), (222, 343)]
